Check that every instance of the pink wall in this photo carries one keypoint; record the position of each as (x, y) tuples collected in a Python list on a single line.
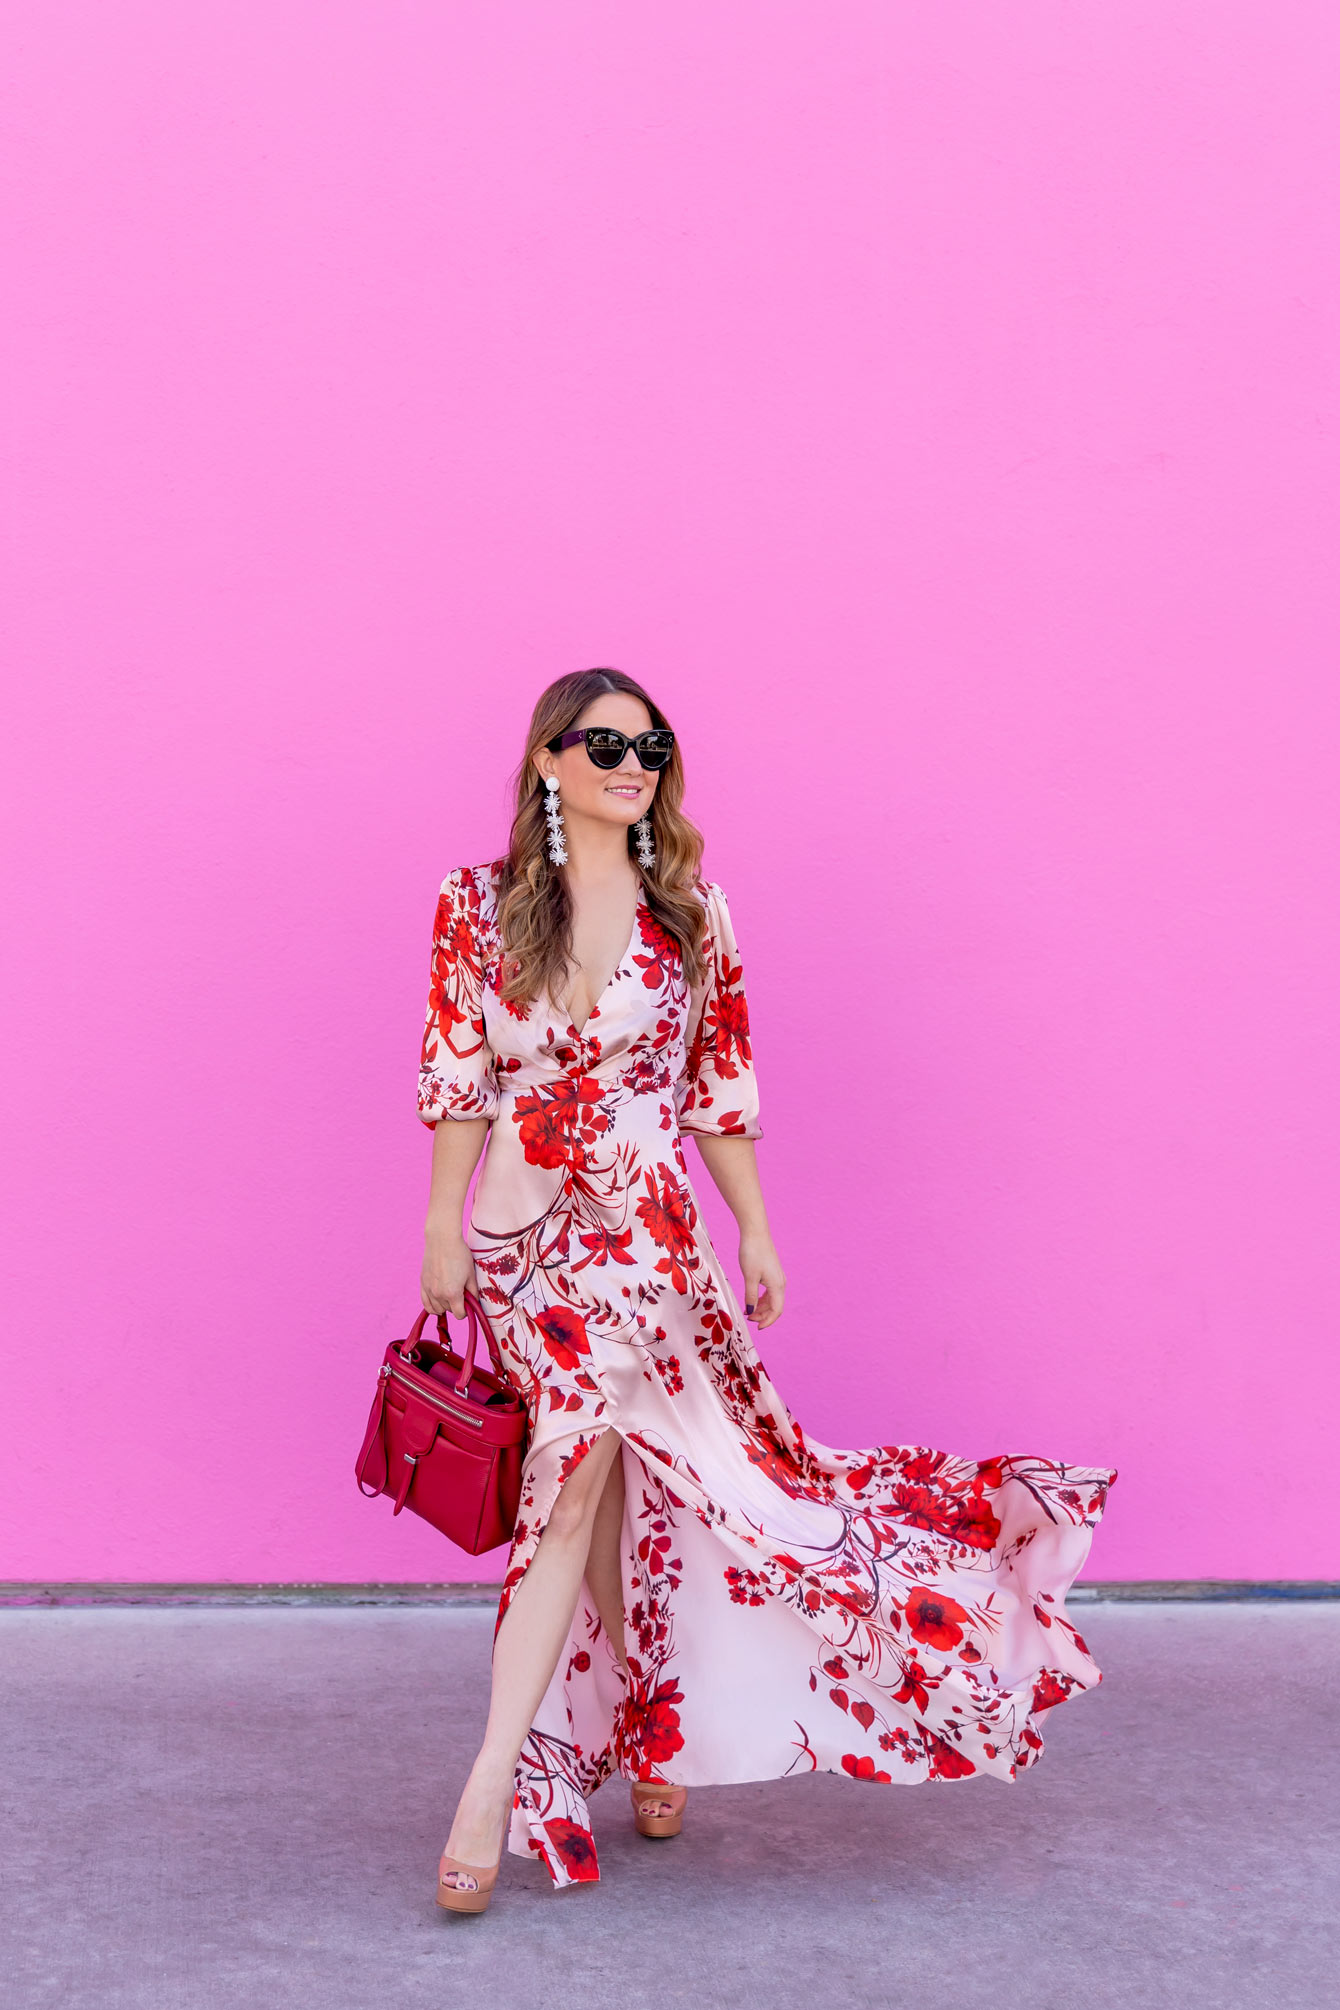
[(937, 404)]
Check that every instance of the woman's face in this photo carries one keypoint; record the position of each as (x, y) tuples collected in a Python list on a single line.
[(610, 795)]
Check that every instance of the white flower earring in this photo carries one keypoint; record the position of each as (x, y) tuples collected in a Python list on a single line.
[(646, 850), (558, 851)]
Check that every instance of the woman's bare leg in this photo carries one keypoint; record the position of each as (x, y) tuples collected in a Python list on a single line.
[(604, 1576), (525, 1654)]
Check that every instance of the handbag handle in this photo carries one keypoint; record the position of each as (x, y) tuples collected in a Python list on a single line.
[(475, 1318)]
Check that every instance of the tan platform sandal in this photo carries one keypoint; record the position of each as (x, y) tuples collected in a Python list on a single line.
[(668, 1803), (471, 1897)]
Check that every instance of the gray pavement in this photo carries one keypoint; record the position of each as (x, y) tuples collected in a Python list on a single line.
[(243, 1809)]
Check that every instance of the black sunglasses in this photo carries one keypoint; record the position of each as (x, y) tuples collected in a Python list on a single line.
[(607, 748)]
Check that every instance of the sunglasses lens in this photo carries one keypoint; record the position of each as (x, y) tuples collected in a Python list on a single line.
[(605, 746), (654, 749)]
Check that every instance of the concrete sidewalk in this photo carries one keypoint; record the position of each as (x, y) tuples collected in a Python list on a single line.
[(243, 1809)]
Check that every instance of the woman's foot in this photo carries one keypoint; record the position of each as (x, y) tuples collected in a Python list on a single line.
[(658, 1809), (463, 1887), (474, 1848)]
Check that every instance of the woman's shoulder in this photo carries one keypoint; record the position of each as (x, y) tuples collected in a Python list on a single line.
[(473, 889), (483, 878), (712, 895), (719, 933)]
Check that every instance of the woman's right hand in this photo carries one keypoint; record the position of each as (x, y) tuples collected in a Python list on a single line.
[(448, 1272)]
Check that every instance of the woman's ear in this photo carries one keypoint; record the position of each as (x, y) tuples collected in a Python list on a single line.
[(544, 762)]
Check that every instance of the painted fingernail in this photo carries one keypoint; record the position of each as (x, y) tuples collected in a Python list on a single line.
[(748, 1308)]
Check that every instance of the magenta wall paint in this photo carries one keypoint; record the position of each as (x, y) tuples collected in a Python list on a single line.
[(937, 405)]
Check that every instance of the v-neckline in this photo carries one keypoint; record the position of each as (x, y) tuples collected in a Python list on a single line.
[(599, 999)]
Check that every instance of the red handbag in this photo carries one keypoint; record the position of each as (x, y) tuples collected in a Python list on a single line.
[(446, 1439)]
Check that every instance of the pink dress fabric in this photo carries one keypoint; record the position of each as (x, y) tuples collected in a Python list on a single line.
[(892, 1613)]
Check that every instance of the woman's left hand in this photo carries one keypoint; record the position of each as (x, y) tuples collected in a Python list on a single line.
[(764, 1281)]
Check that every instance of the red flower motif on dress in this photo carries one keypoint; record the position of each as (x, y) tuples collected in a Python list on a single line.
[(936, 1620), (976, 1523), (1048, 1691), (864, 1769), (651, 1731), (664, 962), (454, 981), (454, 958), (923, 1466), (965, 1518), (645, 1075), (454, 1063), (669, 1217), (915, 1686), (560, 1122), (669, 1372), (721, 1041), (564, 1335), (727, 1023), (746, 1586), (946, 1762), (606, 1245), (777, 1463), (576, 1848)]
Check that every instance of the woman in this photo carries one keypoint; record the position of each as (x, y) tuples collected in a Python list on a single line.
[(695, 1592)]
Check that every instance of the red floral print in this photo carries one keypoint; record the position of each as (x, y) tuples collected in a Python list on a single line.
[(916, 1685), (746, 1586), (576, 1849), (452, 1079), (651, 1724), (946, 1762), (863, 1768), (669, 1217), (936, 1620), (559, 1125), (606, 1245), (662, 962), (454, 948), (1049, 1690), (777, 1463), (565, 1335), (964, 1516), (728, 1028), (667, 1367)]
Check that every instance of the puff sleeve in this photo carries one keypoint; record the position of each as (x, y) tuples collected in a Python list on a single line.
[(456, 1077), (717, 1094)]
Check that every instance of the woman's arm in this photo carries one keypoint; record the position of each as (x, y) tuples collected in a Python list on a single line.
[(733, 1166), (448, 1267)]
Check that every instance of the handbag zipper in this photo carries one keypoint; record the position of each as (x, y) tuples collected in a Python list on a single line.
[(423, 1396)]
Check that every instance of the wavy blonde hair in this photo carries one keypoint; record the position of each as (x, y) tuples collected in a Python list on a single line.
[(534, 909)]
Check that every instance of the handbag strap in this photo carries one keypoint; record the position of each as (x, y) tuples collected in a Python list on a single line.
[(475, 1319)]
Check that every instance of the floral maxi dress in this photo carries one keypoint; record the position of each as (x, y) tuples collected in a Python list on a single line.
[(893, 1613)]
